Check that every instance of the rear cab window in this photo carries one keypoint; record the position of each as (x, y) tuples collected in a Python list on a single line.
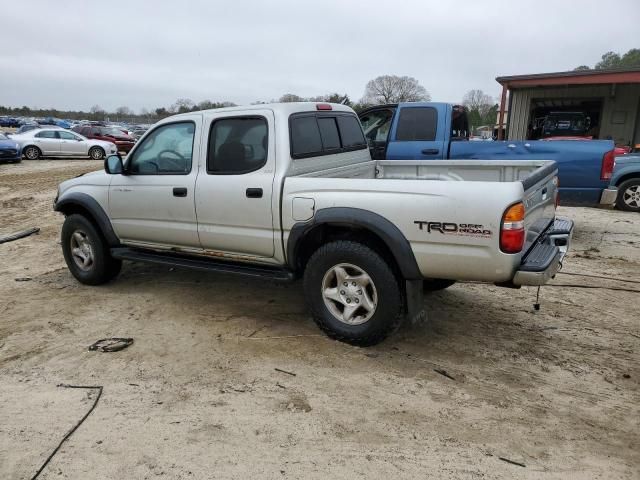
[(313, 134)]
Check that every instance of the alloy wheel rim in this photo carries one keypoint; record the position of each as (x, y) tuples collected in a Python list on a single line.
[(349, 294), (81, 250), (631, 196)]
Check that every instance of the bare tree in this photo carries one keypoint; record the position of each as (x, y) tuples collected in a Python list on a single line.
[(183, 105), (97, 112), (394, 89), (479, 101), (290, 97), (123, 111)]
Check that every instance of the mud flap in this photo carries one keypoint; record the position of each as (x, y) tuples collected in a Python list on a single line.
[(416, 312)]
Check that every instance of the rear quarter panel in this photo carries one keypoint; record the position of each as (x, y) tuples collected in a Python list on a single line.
[(411, 204)]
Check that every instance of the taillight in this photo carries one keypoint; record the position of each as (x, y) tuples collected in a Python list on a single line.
[(608, 162), (512, 229), (556, 182), (323, 106)]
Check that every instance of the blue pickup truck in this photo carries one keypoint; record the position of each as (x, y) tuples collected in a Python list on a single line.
[(437, 131), (626, 179)]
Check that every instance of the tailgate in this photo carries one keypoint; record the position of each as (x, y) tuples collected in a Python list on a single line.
[(540, 191)]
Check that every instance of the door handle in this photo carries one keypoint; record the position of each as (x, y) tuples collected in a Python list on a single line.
[(179, 192), (430, 151), (254, 193)]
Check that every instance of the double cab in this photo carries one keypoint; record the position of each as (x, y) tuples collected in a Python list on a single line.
[(289, 191)]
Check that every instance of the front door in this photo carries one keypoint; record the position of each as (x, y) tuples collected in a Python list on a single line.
[(72, 144), (234, 195), (153, 203), (376, 125)]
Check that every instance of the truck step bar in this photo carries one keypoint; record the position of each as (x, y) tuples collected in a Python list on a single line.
[(206, 264)]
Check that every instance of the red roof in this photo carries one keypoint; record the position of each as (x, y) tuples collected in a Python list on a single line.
[(574, 77)]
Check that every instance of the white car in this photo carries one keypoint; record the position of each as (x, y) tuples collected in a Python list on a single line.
[(50, 142)]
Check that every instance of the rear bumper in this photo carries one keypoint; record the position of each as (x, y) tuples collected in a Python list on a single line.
[(608, 197), (545, 259)]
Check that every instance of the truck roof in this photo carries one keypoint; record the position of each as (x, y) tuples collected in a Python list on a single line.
[(285, 108)]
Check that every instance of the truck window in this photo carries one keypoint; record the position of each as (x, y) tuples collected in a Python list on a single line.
[(351, 132), (376, 126), (329, 133), (305, 136), (316, 134), (417, 124), (237, 145), (167, 150)]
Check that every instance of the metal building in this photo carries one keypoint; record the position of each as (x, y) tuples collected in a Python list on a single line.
[(601, 104)]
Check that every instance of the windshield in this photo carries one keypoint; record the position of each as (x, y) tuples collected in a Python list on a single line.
[(111, 131)]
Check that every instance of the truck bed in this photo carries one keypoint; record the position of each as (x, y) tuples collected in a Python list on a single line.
[(460, 192)]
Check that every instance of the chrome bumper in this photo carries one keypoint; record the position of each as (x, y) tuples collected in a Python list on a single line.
[(608, 197), (542, 263)]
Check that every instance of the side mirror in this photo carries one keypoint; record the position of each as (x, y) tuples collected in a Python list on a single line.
[(113, 165)]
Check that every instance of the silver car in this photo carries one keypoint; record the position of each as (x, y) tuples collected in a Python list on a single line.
[(56, 142)]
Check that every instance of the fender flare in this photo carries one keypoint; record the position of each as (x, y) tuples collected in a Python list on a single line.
[(89, 204), (359, 218)]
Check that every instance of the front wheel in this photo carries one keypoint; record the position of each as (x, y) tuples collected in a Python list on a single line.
[(96, 153), (354, 295), (86, 252), (629, 195)]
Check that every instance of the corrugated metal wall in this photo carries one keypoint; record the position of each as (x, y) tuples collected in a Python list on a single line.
[(619, 111)]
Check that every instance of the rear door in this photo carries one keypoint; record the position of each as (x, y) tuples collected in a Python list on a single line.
[(417, 132), (48, 142), (235, 192)]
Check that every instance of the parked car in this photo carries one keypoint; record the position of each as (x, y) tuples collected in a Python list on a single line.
[(139, 132), (32, 126), (49, 142), (10, 150), (289, 190), (436, 131), (9, 122), (625, 182), (123, 142)]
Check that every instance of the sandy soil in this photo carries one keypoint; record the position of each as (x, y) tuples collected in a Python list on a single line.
[(197, 395)]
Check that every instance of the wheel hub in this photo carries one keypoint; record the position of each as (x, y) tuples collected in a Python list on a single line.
[(81, 250), (349, 294), (632, 196)]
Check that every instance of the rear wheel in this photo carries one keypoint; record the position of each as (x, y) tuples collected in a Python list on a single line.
[(32, 153), (96, 153), (86, 252), (354, 295), (629, 195)]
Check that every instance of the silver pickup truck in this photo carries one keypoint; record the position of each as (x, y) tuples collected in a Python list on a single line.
[(286, 191)]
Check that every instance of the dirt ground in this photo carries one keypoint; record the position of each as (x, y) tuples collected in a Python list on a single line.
[(198, 394)]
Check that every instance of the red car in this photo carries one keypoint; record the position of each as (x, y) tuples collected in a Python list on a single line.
[(123, 141)]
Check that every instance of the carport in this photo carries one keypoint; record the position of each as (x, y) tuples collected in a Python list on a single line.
[(602, 104)]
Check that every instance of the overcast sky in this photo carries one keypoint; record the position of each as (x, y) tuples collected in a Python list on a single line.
[(74, 54)]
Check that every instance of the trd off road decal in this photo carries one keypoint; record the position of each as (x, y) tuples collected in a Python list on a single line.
[(449, 228)]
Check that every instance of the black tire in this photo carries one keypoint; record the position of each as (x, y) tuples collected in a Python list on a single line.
[(389, 308), (435, 284), (32, 152), (629, 195), (102, 267), (96, 153)]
